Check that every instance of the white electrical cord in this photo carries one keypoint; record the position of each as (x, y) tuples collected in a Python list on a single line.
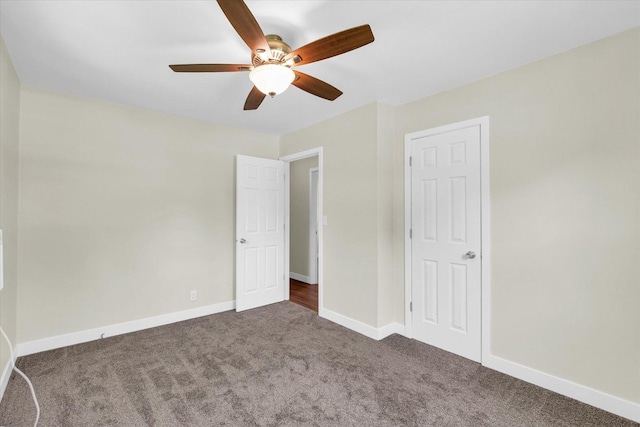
[(33, 393)]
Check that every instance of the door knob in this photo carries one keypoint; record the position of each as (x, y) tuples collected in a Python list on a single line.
[(470, 255), (244, 241)]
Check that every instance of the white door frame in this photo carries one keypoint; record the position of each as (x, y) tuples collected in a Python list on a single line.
[(313, 237), (485, 256), (288, 159)]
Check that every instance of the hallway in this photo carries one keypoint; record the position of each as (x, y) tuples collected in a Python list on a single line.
[(304, 294)]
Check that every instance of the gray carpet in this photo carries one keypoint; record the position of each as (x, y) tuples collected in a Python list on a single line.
[(279, 365)]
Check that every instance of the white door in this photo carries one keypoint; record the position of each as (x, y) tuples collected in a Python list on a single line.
[(259, 232), (446, 241)]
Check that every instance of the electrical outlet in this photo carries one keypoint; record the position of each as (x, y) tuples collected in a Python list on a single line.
[(194, 295)]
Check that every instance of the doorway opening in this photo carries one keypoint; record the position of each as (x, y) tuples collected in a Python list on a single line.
[(303, 235)]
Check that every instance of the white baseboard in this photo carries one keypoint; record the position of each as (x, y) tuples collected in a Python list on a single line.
[(362, 328), (59, 341), (590, 396), (347, 322), (599, 399), (4, 379), (390, 329), (301, 278)]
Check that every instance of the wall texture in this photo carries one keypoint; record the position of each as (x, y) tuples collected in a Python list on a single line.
[(388, 295), (565, 209), (123, 211), (299, 214), (9, 147)]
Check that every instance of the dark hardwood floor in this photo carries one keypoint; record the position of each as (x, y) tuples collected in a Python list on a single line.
[(304, 294)]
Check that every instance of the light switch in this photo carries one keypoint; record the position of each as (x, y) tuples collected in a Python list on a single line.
[(324, 220)]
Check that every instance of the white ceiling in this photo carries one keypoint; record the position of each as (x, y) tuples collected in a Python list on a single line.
[(119, 51)]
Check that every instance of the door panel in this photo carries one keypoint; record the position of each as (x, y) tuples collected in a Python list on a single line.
[(445, 218), (458, 296), (259, 232), (430, 278)]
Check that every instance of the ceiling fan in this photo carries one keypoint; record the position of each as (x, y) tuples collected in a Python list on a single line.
[(272, 59)]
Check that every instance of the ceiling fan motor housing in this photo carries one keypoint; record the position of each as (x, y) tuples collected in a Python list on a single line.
[(279, 50)]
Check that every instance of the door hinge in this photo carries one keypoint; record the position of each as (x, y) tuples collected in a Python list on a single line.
[(410, 160), (411, 306), (411, 233)]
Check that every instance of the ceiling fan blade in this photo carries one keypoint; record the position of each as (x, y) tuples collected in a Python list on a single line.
[(209, 68), (315, 86), (245, 24), (254, 99), (335, 44)]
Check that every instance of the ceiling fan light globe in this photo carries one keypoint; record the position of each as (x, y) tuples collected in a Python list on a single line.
[(272, 79)]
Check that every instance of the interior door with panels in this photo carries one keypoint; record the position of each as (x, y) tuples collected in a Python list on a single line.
[(259, 232), (446, 241)]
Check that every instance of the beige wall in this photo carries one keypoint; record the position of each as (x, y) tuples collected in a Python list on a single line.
[(123, 211), (350, 204), (299, 214), (388, 295), (565, 188), (9, 145)]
